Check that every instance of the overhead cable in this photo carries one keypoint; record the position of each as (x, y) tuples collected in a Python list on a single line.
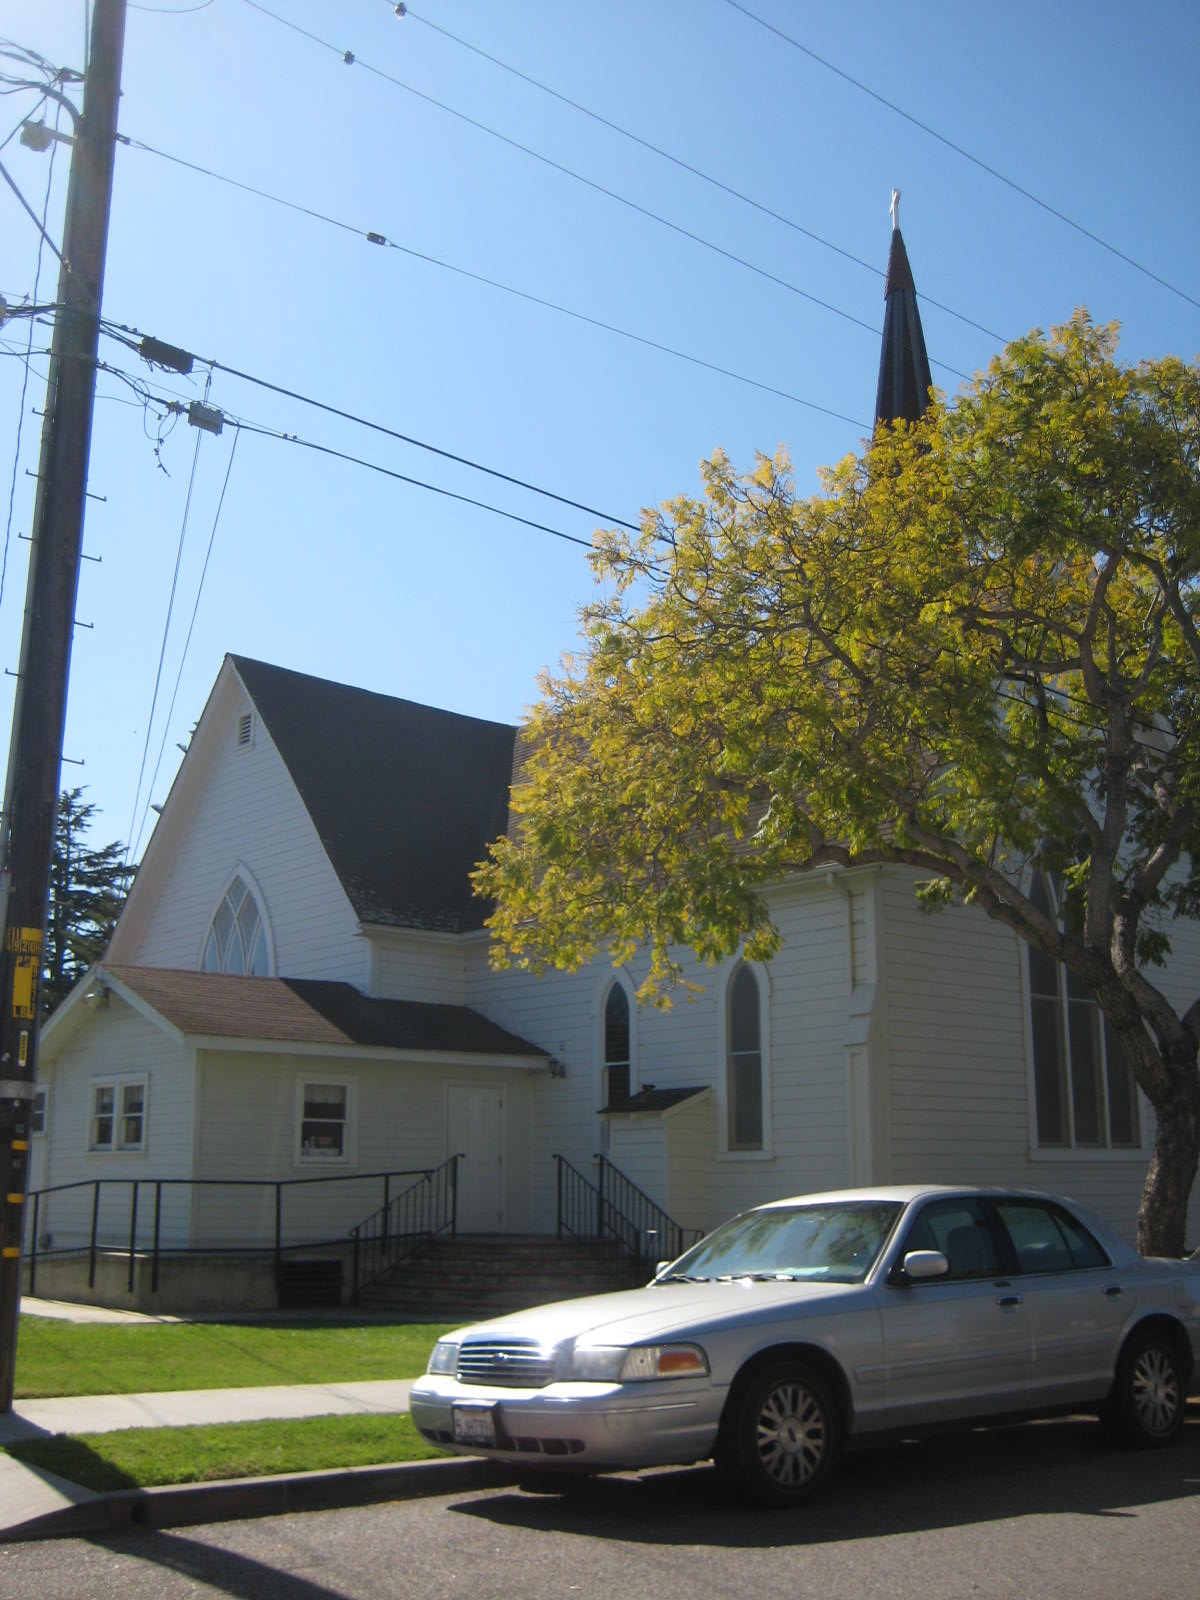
[(958, 149), (114, 330), (687, 166), (380, 239), (351, 59)]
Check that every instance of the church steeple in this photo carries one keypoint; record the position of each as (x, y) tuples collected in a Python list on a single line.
[(904, 376)]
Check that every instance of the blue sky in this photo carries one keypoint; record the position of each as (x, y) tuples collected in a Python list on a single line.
[(330, 568)]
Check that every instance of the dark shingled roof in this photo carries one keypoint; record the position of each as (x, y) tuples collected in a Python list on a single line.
[(313, 1011), (405, 798), (651, 1099), (904, 376)]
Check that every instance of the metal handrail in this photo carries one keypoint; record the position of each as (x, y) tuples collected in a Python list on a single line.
[(404, 1222), (279, 1246), (652, 1234), (614, 1218)]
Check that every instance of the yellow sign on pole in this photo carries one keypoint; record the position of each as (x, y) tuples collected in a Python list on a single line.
[(25, 973), (24, 941)]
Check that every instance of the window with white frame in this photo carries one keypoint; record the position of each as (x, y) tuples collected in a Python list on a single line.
[(744, 1077), (1085, 1097), (323, 1121), (118, 1115), (237, 939)]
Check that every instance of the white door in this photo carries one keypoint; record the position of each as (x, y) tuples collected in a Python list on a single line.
[(475, 1130)]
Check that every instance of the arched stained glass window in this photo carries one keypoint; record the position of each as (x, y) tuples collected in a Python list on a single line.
[(237, 940), (616, 1046), (744, 1062)]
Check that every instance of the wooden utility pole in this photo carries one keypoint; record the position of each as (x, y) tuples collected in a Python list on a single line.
[(31, 804)]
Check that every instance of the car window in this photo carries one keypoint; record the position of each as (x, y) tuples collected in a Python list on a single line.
[(838, 1242), (1046, 1239), (959, 1229)]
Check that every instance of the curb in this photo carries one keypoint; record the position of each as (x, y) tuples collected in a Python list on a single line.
[(182, 1505)]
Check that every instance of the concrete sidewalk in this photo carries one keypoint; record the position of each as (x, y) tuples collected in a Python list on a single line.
[(104, 1413), (38, 1504)]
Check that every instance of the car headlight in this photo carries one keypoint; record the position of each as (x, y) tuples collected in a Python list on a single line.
[(619, 1364), (444, 1357)]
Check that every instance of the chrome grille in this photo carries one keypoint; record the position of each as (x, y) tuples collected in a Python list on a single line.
[(512, 1363)]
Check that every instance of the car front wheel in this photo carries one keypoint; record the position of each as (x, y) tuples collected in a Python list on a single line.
[(1149, 1398), (780, 1435)]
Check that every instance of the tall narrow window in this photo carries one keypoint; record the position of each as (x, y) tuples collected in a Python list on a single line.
[(237, 940), (744, 1063), (1085, 1097), (617, 1079)]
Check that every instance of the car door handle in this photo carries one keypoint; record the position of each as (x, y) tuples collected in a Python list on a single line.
[(1006, 1300), (1113, 1291)]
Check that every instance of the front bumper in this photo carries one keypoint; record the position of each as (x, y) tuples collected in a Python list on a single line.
[(601, 1425)]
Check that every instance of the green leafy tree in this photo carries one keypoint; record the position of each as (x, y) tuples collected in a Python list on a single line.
[(87, 891), (974, 654)]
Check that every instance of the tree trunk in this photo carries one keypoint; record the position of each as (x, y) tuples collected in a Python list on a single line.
[(1162, 1214)]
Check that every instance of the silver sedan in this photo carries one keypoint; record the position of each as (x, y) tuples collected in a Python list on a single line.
[(831, 1320)]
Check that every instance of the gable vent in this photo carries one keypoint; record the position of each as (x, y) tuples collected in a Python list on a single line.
[(245, 730)]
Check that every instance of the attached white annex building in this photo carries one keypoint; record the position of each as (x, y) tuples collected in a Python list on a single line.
[(299, 987)]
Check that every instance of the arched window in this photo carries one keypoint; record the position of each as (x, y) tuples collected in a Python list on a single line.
[(617, 1047), (1084, 1091), (237, 941), (743, 1062)]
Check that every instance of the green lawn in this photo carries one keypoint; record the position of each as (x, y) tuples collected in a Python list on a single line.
[(74, 1358), (143, 1457)]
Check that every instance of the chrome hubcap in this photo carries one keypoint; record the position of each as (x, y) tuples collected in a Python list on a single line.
[(1156, 1391), (791, 1435)]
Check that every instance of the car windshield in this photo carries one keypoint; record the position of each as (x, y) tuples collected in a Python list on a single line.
[(834, 1243)]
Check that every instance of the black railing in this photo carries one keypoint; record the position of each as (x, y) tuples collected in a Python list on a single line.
[(404, 1222), (278, 1238), (615, 1218)]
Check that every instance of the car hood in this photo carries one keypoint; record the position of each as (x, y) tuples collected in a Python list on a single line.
[(645, 1316)]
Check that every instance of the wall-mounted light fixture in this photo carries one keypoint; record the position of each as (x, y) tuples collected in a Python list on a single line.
[(97, 998), (558, 1069)]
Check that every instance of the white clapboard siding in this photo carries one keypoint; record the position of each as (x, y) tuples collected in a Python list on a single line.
[(429, 967), (691, 1140), (119, 1044), (958, 1071), (249, 1112), (680, 1047), (250, 815)]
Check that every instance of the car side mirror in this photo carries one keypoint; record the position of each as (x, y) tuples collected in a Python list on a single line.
[(920, 1264), (661, 1267)]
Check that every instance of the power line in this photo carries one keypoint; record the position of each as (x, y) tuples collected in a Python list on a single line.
[(687, 166), (175, 406), (187, 507), (115, 331), (958, 149), (33, 319), (418, 483), (351, 59), (187, 641), (504, 288), (32, 213)]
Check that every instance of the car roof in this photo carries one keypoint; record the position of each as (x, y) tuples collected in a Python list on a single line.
[(904, 1193)]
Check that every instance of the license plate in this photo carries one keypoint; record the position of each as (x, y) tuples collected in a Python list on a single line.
[(475, 1425)]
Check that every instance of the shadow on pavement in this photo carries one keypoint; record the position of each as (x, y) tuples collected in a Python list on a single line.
[(987, 1475), (220, 1571)]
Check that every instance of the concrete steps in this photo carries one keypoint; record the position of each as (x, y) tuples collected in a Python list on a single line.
[(469, 1278)]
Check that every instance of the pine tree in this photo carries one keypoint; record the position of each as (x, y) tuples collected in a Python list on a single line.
[(87, 890)]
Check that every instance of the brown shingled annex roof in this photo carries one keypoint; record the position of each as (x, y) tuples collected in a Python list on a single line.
[(314, 1012)]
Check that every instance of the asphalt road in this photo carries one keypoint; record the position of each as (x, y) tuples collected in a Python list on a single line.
[(1048, 1510)]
